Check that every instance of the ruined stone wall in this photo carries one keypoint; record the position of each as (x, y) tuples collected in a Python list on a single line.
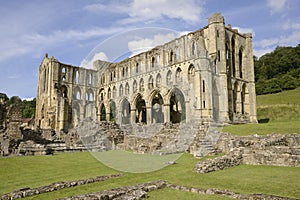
[(274, 149), (210, 68), (206, 75), (66, 94)]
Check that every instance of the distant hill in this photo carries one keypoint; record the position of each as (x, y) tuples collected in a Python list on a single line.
[(278, 70)]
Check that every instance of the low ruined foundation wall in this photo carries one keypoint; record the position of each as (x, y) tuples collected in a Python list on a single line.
[(274, 149)]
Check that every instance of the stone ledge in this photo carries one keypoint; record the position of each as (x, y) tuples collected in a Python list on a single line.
[(26, 192)]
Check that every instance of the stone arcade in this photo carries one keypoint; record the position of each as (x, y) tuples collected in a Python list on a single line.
[(206, 75)]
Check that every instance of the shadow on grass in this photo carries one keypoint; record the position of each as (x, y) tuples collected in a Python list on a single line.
[(263, 121)]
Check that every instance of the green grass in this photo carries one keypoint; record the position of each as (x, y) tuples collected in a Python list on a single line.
[(167, 194), (36, 171), (290, 97), (276, 113), (281, 127)]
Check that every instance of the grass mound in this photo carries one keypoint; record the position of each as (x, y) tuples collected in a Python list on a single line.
[(276, 113)]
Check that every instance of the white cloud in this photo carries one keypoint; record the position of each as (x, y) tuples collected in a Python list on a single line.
[(145, 10), (143, 44), (268, 45), (245, 30), (276, 5), (89, 63), (114, 7), (289, 25), (35, 43)]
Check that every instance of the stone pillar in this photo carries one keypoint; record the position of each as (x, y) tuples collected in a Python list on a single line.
[(166, 111), (149, 115), (132, 116)]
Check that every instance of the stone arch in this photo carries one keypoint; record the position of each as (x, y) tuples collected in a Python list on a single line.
[(150, 83), (140, 109), (158, 80), (125, 111), (157, 103), (177, 106), (169, 78), (112, 111), (102, 112)]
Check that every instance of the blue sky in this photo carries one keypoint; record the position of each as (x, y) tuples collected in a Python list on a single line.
[(69, 30)]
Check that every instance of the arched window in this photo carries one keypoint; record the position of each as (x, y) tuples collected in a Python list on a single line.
[(137, 68), (142, 85), (90, 79), (193, 48), (109, 93), (171, 56), (114, 92), (121, 90), (157, 60), (91, 95), (64, 91), (134, 86), (152, 62), (102, 79), (241, 63), (191, 72), (177, 54), (76, 77), (150, 83), (158, 80), (126, 89), (233, 55), (169, 78), (178, 74), (123, 72), (78, 95), (63, 74)]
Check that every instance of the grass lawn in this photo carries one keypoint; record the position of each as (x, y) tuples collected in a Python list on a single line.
[(280, 111), (33, 171)]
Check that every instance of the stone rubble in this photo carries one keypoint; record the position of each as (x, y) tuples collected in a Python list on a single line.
[(274, 149), (26, 192)]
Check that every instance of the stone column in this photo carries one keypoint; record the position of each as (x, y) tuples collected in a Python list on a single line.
[(166, 111), (149, 115), (132, 116)]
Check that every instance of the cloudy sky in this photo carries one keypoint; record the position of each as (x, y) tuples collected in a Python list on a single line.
[(69, 30)]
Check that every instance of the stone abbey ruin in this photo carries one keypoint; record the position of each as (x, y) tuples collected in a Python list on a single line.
[(206, 75), (170, 99)]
